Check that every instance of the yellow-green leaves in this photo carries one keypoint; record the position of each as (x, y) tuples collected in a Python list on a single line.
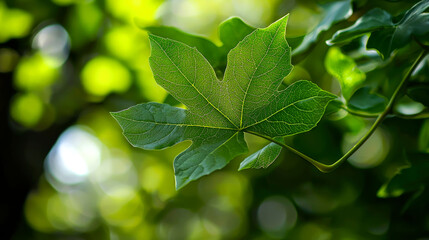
[(345, 70), (351, 78), (218, 112)]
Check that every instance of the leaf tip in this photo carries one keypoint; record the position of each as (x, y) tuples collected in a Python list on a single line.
[(114, 115), (181, 182), (280, 23), (154, 38), (243, 166), (283, 21)]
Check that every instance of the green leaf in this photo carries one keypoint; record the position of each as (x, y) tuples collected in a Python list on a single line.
[(417, 26), (189, 78), (232, 31), (419, 93), (422, 71), (333, 13), (294, 42), (295, 110), (387, 36), (415, 10), (218, 112), (262, 158), (385, 41), (409, 179), (424, 137), (157, 126), (373, 20), (334, 109), (256, 68), (345, 70), (365, 101), (206, 47)]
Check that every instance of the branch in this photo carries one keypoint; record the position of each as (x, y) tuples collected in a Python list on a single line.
[(328, 168)]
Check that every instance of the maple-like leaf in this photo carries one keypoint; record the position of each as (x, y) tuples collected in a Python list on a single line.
[(220, 111)]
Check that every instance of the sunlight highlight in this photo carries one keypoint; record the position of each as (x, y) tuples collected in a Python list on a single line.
[(76, 154)]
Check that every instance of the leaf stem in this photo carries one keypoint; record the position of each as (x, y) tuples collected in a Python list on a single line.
[(359, 114), (422, 115), (328, 168)]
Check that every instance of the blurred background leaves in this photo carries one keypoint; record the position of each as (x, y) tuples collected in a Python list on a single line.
[(68, 173)]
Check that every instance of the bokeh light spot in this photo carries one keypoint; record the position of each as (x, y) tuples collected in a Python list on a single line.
[(148, 86), (127, 43), (202, 16), (35, 73), (53, 42), (122, 208), (84, 23), (65, 213), (27, 109), (372, 153), (143, 10), (14, 23), (115, 173), (104, 75), (76, 154), (36, 211), (157, 178), (407, 106), (276, 215)]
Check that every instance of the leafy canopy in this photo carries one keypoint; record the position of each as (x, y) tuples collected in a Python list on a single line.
[(386, 35), (218, 112)]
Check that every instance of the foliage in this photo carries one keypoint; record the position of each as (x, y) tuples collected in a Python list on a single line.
[(386, 36), (247, 99), (218, 112), (214, 90)]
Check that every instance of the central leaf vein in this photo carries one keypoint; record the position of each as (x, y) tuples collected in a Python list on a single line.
[(253, 74)]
